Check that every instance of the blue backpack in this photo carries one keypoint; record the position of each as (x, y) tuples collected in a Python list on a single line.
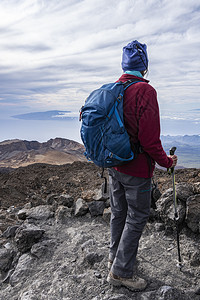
[(104, 136)]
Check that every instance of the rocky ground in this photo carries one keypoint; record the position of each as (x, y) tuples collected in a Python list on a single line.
[(38, 180), (54, 245)]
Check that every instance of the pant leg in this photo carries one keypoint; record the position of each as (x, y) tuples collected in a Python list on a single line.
[(118, 212), (138, 198)]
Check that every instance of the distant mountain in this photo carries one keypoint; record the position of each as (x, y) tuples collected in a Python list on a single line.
[(58, 151), (182, 139), (188, 149), (55, 115)]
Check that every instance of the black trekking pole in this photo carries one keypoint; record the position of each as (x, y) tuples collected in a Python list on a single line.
[(176, 215)]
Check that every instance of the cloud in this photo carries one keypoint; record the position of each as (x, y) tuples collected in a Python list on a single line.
[(53, 53)]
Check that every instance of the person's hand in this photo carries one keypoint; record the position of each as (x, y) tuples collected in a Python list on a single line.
[(175, 159)]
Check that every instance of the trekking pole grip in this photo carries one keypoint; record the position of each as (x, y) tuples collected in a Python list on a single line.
[(171, 152)]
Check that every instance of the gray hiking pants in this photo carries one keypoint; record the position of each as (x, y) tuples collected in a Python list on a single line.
[(130, 200)]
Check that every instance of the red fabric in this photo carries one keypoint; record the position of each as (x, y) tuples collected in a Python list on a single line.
[(142, 121)]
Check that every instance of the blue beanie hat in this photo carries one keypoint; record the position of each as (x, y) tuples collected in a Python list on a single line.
[(135, 57)]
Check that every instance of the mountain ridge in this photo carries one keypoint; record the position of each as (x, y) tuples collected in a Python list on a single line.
[(17, 153)]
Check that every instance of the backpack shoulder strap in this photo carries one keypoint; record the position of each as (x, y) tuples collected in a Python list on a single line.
[(129, 82)]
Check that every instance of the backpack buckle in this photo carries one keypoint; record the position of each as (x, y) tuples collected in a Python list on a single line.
[(119, 98)]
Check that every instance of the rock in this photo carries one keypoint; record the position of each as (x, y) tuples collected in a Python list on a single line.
[(153, 215), (26, 236), (148, 296), (167, 193), (159, 227), (51, 199), (42, 249), (22, 214), (168, 293), (87, 244), (96, 208), (6, 257), (92, 257), (89, 195), (81, 207), (63, 214), (65, 200), (8, 246), (197, 188), (163, 293), (107, 214), (155, 194), (195, 259), (184, 191), (98, 275), (193, 213), (3, 226), (28, 295), (101, 194), (10, 231), (22, 269), (41, 212), (165, 207), (197, 292), (28, 205)]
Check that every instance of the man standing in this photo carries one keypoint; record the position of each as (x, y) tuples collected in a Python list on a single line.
[(130, 184)]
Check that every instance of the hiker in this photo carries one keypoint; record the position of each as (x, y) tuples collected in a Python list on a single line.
[(130, 183)]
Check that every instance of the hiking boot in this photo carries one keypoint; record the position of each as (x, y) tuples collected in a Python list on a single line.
[(134, 284)]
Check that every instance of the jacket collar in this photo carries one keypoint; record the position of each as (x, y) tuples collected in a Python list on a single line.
[(126, 77)]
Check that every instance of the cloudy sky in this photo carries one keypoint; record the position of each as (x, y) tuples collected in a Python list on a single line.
[(55, 52)]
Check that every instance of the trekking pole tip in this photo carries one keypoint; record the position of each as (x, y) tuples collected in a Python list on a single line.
[(180, 265)]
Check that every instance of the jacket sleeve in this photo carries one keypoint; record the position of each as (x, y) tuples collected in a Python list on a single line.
[(149, 129)]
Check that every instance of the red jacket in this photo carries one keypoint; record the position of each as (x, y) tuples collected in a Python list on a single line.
[(142, 121)]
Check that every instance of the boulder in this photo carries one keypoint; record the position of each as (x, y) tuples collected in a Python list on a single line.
[(22, 269), (6, 257), (41, 249), (10, 231), (22, 214), (165, 207), (193, 213), (96, 208), (81, 207), (102, 194), (26, 236), (184, 191), (63, 214), (65, 200), (107, 214), (41, 212)]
